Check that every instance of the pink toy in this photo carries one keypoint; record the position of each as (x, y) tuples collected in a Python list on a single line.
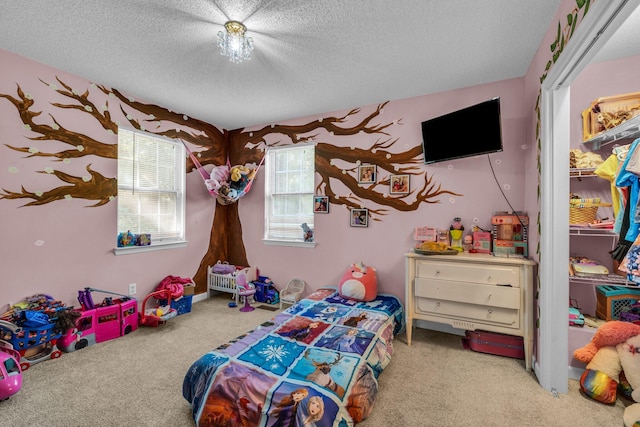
[(244, 289), (157, 315), (110, 319), (359, 282), (10, 371)]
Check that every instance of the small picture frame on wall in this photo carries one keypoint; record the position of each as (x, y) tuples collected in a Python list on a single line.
[(359, 217), (399, 184), (366, 174), (321, 204)]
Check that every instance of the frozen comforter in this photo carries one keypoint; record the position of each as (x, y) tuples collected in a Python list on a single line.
[(314, 364)]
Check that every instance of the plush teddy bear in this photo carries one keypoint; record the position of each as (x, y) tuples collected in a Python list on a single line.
[(613, 365)]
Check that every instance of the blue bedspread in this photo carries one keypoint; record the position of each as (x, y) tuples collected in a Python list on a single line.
[(314, 364)]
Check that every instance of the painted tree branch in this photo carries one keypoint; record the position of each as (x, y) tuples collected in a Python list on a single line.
[(209, 140), (94, 187), (83, 145)]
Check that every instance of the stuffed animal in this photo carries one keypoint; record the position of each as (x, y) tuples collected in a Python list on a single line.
[(218, 177), (240, 177), (308, 232), (359, 282), (613, 365)]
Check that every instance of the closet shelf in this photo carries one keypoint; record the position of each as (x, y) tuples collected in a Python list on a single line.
[(602, 279), (589, 231), (580, 173), (628, 129)]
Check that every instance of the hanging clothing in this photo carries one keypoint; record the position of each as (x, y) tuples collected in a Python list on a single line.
[(608, 170), (632, 181)]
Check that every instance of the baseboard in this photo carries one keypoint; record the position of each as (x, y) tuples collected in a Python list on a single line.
[(200, 297), (575, 373)]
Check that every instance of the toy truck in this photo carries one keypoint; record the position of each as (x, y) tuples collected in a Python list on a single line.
[(97, 323), (265, 291)]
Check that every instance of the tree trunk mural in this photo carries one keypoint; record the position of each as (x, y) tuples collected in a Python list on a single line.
[(214, 147)]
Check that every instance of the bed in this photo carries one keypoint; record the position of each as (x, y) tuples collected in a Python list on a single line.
[(314, 364)]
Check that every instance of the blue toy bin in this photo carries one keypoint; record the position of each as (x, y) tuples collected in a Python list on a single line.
[(182, 305), (33, 336)]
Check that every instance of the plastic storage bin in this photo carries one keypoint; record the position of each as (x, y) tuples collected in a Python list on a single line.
[(611, 300), (182, 305)]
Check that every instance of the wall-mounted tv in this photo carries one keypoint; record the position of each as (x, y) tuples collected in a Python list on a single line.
[(467, 132)]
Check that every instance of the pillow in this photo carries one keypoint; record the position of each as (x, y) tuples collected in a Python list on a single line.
[(359, 283)]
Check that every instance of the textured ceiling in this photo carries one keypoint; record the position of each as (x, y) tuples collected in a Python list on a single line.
[(310, 57)]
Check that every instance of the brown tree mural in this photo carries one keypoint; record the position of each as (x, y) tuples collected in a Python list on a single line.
[(215, 147)]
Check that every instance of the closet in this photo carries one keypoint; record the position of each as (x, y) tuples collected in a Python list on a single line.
[(592, 242), (605, 34)]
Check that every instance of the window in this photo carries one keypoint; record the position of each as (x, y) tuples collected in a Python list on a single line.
[(151, 188), (290, 174)]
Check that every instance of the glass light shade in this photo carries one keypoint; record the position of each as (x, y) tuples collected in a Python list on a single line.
[(233, 42)]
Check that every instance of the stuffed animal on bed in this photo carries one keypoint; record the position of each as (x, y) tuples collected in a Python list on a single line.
[(613, 365), (359, 282)]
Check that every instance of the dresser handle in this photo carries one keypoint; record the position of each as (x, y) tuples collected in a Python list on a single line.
[(438, 304), (490, 310)]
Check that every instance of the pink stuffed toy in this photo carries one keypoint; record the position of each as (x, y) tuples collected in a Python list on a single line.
[(359, 282), (219, 176)]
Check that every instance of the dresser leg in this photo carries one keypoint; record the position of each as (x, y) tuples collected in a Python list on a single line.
[(409, 328), (528, 345)]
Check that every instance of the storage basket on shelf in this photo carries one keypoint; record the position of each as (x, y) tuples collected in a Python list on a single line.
[(583, 211), (612, 300)]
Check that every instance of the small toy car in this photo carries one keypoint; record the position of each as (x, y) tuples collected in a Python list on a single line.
[(575, 317)]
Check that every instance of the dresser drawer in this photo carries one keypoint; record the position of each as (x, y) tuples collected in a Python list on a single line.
[(461, 312), (469, 272), (469, 293)]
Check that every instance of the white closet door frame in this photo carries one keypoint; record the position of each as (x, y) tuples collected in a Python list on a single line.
[(601, 22)]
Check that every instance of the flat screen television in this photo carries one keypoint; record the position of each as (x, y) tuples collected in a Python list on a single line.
[(468, 132)]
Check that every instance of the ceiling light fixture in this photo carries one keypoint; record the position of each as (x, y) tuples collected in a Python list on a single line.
[(233, 43)]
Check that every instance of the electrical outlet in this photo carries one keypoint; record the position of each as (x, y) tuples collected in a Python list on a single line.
[(132, 288)]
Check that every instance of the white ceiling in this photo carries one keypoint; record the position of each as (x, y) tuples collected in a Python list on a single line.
[(310, 57)]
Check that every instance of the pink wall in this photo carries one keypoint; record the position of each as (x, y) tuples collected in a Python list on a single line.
[(64, 246), (384, 242), (61, 247)]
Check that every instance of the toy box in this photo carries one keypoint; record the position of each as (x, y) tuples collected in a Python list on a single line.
[(482, 242), (426, 234), (607, 112), (182, 305), (612, 300), (509, 232), (189, 289)]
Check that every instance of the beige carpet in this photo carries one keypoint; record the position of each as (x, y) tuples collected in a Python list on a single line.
[(136, 380)]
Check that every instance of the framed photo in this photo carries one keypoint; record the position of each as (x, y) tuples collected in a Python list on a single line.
[(359, 217), (399, 184), (321, 204), (366, 174)]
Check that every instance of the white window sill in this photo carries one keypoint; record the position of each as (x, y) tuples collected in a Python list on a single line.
[(126, 250), (295, 243)]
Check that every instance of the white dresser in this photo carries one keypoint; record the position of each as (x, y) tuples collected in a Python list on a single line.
[(472, 291)]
